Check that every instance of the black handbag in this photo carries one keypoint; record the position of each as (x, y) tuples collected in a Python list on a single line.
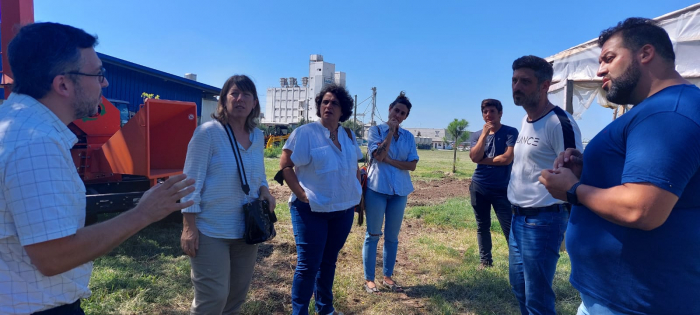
[(259, 220)]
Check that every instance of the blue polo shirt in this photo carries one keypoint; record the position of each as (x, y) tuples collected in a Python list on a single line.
[(491, 176), (636, 271)]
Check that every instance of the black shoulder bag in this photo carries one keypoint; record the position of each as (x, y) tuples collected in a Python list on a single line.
[(259, 220)]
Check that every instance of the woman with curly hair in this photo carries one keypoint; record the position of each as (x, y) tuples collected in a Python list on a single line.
[(319, 163)]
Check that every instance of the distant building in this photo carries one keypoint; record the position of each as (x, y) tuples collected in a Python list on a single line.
[(290, 102), (128, 80), (433, 136)]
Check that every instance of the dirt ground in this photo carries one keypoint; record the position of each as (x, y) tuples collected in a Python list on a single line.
[(425, 193), (277, 258)]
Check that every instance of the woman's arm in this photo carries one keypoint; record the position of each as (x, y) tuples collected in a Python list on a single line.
[(402, 165), (290, 176)]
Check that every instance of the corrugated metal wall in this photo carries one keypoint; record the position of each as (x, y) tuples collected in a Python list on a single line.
[(127, 85)]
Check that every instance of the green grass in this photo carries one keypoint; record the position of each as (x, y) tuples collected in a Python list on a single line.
[(437, 264), (438, 164)]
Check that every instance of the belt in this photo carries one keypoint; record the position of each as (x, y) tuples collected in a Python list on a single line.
[(63, 309), (536, 210)]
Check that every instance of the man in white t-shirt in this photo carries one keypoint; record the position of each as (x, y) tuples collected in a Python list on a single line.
[(46, 252), (539, 220)]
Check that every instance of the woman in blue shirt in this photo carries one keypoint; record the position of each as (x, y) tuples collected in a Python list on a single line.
[(393, 154)]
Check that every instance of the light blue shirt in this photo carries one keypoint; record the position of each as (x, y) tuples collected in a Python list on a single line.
[(218, 196), (384, 178), (327, 174)]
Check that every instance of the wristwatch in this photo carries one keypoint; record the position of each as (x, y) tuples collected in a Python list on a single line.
[(571, 195)]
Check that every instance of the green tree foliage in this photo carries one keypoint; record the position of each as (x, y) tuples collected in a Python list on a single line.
[(356, 127), (458, 130)]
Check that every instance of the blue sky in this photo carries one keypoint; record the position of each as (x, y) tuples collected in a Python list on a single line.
[(446, 55)]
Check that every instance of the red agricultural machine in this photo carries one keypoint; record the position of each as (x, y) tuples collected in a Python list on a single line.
[(117, 163)]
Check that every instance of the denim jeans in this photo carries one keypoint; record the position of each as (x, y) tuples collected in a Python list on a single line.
[(534, 252), (319, 237), (592, 306), (379, 206), (482, 200)]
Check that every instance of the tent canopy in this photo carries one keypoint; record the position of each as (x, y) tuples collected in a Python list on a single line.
[(575, 85)]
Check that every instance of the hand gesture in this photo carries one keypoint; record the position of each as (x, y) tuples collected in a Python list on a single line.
[(487, 129), (162, 199), (393, 124), (558, 181), (571, 159)]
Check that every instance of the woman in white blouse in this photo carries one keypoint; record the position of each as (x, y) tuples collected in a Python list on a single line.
[(319, 163), (212, 235)]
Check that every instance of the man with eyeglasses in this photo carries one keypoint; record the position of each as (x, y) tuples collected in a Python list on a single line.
[(46, 252)]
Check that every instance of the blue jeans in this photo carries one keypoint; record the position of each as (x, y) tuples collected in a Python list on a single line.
[(319, 237), (377, 207), (482, 199), (534, 251)]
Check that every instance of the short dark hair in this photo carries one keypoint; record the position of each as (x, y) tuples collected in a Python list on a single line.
[(493, 103), (543, 69), (245, 84), (41, 51), (343, 97), (637, 32), (402, 99)]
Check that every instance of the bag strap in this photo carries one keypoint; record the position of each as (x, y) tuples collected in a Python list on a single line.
[(347, 130), (239, 159)]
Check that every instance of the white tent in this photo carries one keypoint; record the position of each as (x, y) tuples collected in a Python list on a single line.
[(575, 85)]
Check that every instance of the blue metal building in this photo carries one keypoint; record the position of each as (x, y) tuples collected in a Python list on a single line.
[(128, 80)]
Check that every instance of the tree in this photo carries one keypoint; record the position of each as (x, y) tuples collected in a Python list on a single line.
[(355, 126), (458, 130)]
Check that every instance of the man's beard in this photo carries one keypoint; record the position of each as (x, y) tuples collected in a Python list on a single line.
[(85, 106), (620, 90), (527, 100)]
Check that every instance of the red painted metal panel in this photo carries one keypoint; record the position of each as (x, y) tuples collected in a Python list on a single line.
[(15, 14)]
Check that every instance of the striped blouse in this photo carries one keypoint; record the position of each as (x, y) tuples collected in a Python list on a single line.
[(218, 196)]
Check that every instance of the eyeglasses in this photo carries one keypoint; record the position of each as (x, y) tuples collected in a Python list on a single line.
[(100, 76)]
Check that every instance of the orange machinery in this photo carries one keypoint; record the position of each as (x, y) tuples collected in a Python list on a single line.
[(119, 164)]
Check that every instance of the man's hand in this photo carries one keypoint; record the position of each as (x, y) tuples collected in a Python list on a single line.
[(487, 129), (571, 159), (189, 240), (162, 199), (558, 182)]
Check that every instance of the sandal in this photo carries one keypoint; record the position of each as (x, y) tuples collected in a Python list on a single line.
[(374, 290), (394, 287)]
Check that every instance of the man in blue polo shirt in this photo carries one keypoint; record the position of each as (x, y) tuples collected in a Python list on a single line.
[(633, 236), (492, 150)]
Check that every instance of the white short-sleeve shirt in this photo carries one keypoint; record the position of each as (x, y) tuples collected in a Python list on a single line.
[(42, 199), (539, 143), (327, 174)]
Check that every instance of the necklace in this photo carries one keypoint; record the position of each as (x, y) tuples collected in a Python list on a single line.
[(541, 113), (333, 135)]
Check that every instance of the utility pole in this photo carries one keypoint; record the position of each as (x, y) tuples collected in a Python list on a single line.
[(354, 122), (374, 104)]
